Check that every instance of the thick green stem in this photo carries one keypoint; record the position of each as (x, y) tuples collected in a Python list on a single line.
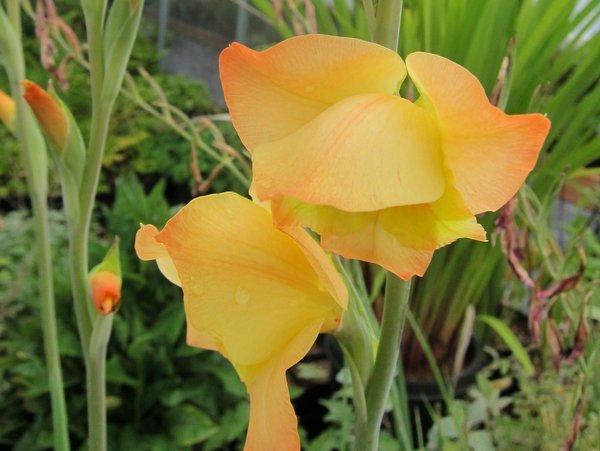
[(101, 110), (394, 312), (60, 420), (96, 382), (96, 399), (32, 154), (387, 23), (95, 358), (78, 266)]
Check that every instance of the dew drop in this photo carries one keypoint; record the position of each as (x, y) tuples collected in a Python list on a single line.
[(242, 296), (229, 212)]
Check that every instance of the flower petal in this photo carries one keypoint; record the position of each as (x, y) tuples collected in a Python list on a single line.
[(401, 239), (488, 152), (147, 248), (7, 109), (273, 424), (365, 153), (200, 339), (245, 283), (272, 93)]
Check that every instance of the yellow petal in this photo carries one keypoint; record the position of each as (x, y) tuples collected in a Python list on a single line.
[(7, 109), (272, 93), (365, 153), (321, 263), (401, 239), (200, 339), (488, 152), (147, 248), (273, 425), (247, 284)]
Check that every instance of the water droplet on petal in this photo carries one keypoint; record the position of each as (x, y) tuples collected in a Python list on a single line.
[(242, 296), (229, 212)]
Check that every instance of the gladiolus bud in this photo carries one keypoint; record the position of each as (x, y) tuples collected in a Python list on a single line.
[(49, 113), (106, 292), (7, 110), (105, 282)]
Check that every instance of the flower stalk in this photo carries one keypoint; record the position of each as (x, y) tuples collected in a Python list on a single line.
[(34, 157), (395, 305)]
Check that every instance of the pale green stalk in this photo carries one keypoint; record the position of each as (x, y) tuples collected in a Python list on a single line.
[(37, 192), (378, 390), (96, 382), (94, 348), (387, 23)]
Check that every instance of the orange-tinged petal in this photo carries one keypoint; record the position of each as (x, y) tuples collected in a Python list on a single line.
[(401, 239), (50, 115), (273, 424), (321, 263), (234, 265), (7, 109), (200, 339), (272, 93), (488, 152), (147, 248), (255, 294), (367, 152)]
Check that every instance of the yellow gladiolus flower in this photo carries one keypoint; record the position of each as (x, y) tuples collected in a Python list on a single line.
[(380, 178), (255, 294)]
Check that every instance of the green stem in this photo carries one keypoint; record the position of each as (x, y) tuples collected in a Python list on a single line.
[(78, 268), (387, 23), (37, 194), (96, 382), (95, 358), (100, 116), (60, 420), (378, 389), (96, 400)]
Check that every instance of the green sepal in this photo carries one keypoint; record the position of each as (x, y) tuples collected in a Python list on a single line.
[(73, 153), (121, 30), (111, 261)]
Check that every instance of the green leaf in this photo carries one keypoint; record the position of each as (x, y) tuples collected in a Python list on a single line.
[(188, 425), (510, 340), (115, 373)]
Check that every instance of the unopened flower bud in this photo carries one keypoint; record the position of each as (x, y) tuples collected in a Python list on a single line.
[(106, 292), (105, 282), (49, 113)]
